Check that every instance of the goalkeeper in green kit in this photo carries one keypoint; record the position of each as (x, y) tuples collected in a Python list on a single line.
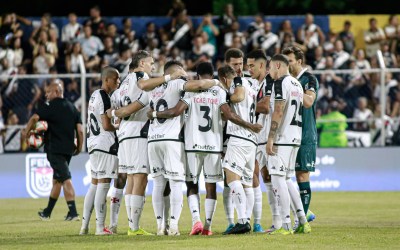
[(306, 156)]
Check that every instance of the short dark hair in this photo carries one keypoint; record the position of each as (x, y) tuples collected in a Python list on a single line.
[(298, 53), (233, 53), (141, 54), (205, 68), (226, 71), (108, 71), (280, 58), (257, 54), (172, 63)]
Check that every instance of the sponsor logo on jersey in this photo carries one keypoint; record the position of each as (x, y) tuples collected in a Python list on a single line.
[(203, 147), (39, 175)]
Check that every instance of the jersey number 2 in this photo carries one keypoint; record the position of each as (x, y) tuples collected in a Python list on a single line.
[(298, 110)]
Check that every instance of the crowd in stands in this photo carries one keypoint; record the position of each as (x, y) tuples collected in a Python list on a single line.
[(50, 49)]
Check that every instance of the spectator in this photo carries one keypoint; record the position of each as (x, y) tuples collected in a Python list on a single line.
[(233, 31), (112, 32), (340, 56), (6, 70), (388, 57), (91, 45), (12, 137), (237, 43), (254, 30), (319, 61), (289, 40), (72, 31), (50, 47), (310, 35), (10, 28), (227, 19), (361, 61), (128, 39), (7, 52), (18, 52), (150, 34), (286, 27), (42, 63), (198, 54), (108, 54), (392, 32), (395, 107), (181, 33), (333, 133), (96, 22), (329, 44), (72, 91), (376, 126), (73, 58), (44, 24), (268, 41), (124, 59), (389, 83), (347, 38), (208, 27), (363, 114), (330, 78), (373, 37), (177, 8), (207, 47)]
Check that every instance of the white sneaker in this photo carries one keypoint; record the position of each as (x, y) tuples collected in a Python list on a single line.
[(172, 232), (84, 231), (113, 229), (162, 231), (105, 231)]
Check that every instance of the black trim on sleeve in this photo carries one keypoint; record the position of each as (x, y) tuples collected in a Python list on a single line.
[(106, 100), (139, 75), (278, 89), (311, 83), (237, 82), (269, 83)]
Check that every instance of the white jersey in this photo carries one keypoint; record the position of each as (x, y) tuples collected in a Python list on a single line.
[(204, 128), (115, 99), (97, 138), (289, 89), (265, 89), (245, 109), (131, 126), (161, 98)]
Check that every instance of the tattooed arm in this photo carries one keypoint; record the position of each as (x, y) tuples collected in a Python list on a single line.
[(277, 116)]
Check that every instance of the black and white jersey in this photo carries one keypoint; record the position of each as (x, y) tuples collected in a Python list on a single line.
[(265, 90), (162, 98), (289, 89), (203, 125), (115, 99), (131, 126), (245, 109), (97, 138)]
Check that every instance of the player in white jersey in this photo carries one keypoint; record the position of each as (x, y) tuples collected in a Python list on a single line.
[(102, 147), (284, 139), (166, 148), (241, 152), (257, 63), (132, 134), (203, 143)]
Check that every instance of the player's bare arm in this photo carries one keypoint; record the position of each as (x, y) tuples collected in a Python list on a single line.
[(203, 84), (152, 83), (277, 116), (169, 113), (31, 123), (125, 111), (263, 105), (308, 98), (106, 121), (238, 95), (231, 116), (79, 138)]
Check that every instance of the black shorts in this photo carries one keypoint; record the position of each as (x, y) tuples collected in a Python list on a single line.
[(59, 163)]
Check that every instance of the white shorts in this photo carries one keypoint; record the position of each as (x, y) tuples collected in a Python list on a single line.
[(240, 159), (262, 156), (103, 165), (283, 163), (167, 158), (209, 163), (132, 155)]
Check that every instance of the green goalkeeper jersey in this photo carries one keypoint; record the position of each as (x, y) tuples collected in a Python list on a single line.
[(309, 124)]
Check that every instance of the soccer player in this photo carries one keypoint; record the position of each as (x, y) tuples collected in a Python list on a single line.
[(102, 147), (203, 142), (241, 152), (306, 157), (63, 120), (132, 134), (284, 138), (166, 148), (258, 68), (234, 58)]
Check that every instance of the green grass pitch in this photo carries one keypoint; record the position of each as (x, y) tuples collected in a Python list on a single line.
[(345, 220)]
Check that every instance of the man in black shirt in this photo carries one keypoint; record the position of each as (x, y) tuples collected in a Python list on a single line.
[(63, 120)]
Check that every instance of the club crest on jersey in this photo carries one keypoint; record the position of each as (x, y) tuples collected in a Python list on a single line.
[(39, 175)]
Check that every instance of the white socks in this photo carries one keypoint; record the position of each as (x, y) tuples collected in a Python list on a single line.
[(115, 204), (239, 198), (158, 200), (273, 204), (100, 205), (88, 205), (128, 208), (296, 202), (228, 205), (249, 202), (257, 209), (209, 207), (176, 203), (282, 195), (166, 211), (137, 203), (194, 206)]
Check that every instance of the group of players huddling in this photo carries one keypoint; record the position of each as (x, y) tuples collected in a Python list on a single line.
[(229, 129)]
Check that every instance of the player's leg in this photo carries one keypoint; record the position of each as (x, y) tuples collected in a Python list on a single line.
[(128, 196), (116, 198), (305, 163), (68, 188), (194, 162), (137, 202), (88, 206), (272, 201), (167, 205), (257, 208), (212, 174), (54, 194), (228, 205)]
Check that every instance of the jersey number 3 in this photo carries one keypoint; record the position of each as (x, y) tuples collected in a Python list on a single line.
[(206, 116)]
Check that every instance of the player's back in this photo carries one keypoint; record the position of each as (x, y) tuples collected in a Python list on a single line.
[(245, 109), (162, 98), (204, 125), (97, 137), (288, 88), (129, 92)]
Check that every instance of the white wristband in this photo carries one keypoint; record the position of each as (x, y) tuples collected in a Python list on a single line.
[(154, 114), (167, 78), (216, 82), (113, 113)]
